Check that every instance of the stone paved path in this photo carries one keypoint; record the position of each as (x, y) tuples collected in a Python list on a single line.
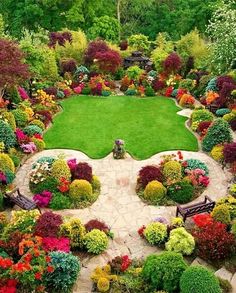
[(119, 206)]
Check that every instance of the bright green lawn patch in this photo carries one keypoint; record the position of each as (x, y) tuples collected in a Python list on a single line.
[(148, 126)]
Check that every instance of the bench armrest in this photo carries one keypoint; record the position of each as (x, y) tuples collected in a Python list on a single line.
[(207, 198)]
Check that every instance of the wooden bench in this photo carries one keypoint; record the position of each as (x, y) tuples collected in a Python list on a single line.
[(20, 200), (188, 211)]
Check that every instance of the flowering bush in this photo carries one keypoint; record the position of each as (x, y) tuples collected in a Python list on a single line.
[(28, 148), (213, 241), (187, 100), (43, 199), (202, 220), (120, 263), (56, 244), (40, 172)]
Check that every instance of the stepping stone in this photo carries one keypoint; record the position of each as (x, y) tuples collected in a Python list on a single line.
[(200, 262), (224, 274), (233, 283)]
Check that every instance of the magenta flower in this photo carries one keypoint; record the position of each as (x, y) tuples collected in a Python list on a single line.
[(72, 164), (22, 92)]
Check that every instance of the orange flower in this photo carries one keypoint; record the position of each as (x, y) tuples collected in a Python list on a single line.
[(50, 269), (211, 97), (36, 252), (40, 288)]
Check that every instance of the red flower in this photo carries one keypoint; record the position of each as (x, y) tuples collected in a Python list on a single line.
[(38, 276), (48, 258), (126, 262), (141, 230), (179, 153), (38, 136), (169, 91), (50, 269)]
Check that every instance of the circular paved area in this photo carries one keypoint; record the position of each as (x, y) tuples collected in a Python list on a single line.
[(119, 206)]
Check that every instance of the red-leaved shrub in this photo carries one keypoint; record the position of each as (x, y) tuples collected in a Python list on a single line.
[(172, 63), (233, 124), (158, 85), (54, 244), (82, 171), (203, 126), (222, 79), (52, 91), (96, 224), (230, 152), (45, 116), (108, 61), (94, 47), (148, 174), (60, 38), (48, 224), (214, 242), (68, 65)]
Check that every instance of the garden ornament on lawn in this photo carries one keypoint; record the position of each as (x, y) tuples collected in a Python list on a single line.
[(119, 149)]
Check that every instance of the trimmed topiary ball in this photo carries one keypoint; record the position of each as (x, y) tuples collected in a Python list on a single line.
[(181, 192), (221, 214), (217, 153), (7, 135), (155, 233), (31, 130), (6, 163), (222, 112), (38, 123), (181, 241), (96, 241), (10, 119), (164, 271), (66, 269), (75, 231), (154, 192), (80, 190), (60, 170), (219, 132), (199, 280), (21, 117), (148, 174), (172, 171), (40, 144)]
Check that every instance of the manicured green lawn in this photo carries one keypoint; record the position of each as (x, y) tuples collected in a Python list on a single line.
[(148, 126)]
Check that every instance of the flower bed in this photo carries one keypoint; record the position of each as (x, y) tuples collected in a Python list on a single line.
[(174, 180), (61, 184), (166, 272), (37, 251)]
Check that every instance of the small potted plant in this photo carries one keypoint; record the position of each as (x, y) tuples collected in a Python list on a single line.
[(119, 149)]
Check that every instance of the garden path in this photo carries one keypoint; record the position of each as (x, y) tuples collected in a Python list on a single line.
[(119, 206)]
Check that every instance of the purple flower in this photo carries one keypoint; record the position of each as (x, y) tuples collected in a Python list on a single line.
[(161, 220), (28, 148), (119, 142)]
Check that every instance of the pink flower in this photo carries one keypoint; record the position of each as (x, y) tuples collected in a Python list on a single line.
[(52, 244), (28, 148), (72, 164), (78, 89), (204, 180), (22, 92), (43, 199), (20, 136)]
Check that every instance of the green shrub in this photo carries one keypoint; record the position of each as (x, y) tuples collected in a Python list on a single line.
[(60, 169), (180, 241), (222, 112), (75, 231), (49, 184), (40, 144), (201, 115), (164, 271), (221, 214), (149, 91), (134, 72), (154, 192), (193, 164), (155, 233), (10, 119), (6, 163), (7, 135), (86, 91), (219, 132), (131, 92), (21, 117), (80, 190), (139, 42), (31, 130), (230, 201), (181, 192), (1, 206), (172, 171), (199, 280), (60, 202), (66, 270), (225, 285), (38, 123), (96, 241), (96, 184)]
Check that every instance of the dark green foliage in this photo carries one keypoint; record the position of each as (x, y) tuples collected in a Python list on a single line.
[(181, 192), (164, 271), (218, 132), (149, 92), (60, 202), (21, 117), (1, 203), (66, 269), (49, 184), (7, 135), (199, 280)]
